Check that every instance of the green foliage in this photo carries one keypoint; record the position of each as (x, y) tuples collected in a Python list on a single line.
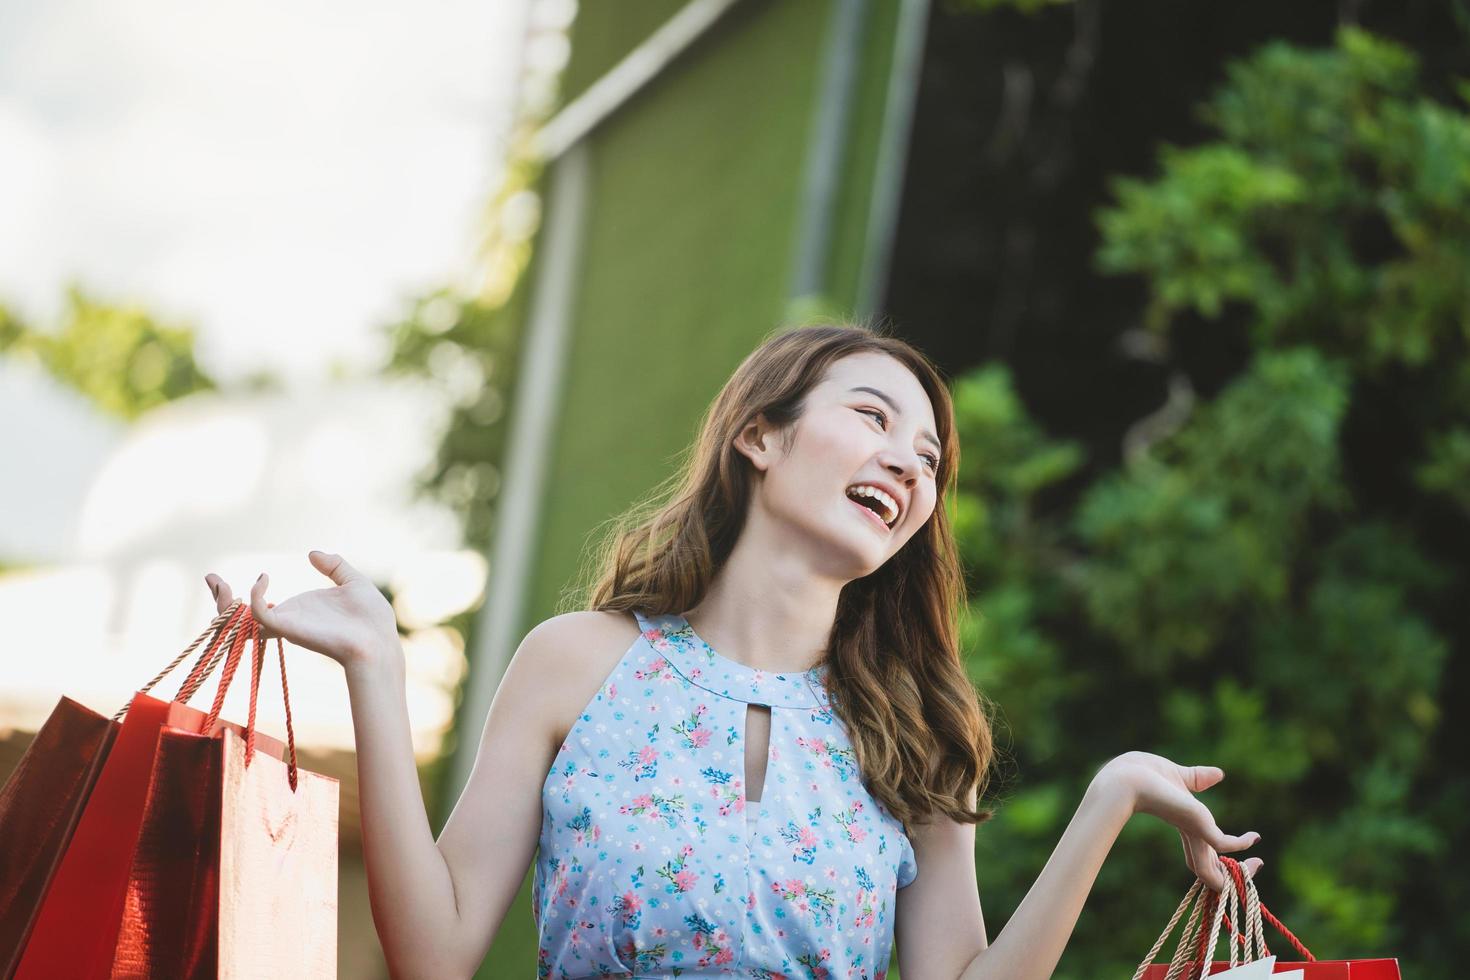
[(1237, 595), (1009, 553), (469, 347), (117, 355), (1446, 466), (1182, 543), (1336, 207), (1187, 227)]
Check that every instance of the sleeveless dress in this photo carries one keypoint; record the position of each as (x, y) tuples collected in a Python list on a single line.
[(651, 864)]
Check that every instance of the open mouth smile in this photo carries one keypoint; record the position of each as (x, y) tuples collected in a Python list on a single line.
[(879, 506)]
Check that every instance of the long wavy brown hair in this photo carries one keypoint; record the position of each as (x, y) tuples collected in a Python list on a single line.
[(919, 727)]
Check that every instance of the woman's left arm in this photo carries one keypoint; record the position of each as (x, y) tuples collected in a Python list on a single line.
[(1032, 941)]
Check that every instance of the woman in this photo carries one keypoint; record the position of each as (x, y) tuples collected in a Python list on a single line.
[(757, 753)]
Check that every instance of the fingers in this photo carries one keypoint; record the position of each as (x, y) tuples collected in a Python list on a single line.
[(1226, 844), (220, 590), (1202, 837), (1207, 866), (334, 567), (1201, 824), (1200, 778), (1205, 862), (259, 608), (1222, 878)]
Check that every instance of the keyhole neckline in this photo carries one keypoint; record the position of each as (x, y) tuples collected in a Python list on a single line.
[(670, 635)]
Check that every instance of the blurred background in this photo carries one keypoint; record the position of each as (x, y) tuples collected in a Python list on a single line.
[(443, 287)]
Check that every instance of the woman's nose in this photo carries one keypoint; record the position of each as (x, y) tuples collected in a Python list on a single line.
[(907, 471)]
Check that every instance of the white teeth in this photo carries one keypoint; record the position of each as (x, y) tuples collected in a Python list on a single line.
[(890, 506)]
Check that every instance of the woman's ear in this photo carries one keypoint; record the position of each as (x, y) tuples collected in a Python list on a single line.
[(757, 441)]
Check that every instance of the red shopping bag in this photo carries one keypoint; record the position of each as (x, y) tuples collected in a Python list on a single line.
[(75, 926), (235, 869), (43, 800), (1197, 945), (39, 808)]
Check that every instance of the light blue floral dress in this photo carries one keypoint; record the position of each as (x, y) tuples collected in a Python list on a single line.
[(652, 865)]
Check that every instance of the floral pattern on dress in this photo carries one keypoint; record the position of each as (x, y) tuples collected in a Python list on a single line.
[(652, 862)]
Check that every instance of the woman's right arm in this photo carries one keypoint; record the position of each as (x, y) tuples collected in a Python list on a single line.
[(437, 906)]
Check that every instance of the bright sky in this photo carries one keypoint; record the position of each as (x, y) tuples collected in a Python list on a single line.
[(282, 175)]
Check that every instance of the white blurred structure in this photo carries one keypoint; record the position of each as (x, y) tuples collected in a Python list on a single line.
[(52, 441), (280, 174), (124, 524)]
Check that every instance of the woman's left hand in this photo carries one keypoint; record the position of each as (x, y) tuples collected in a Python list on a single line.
[(1166, 790)]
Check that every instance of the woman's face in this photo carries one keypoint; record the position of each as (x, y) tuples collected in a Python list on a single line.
[(858, 476)]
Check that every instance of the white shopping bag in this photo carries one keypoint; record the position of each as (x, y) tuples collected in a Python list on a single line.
[(1259, 970)]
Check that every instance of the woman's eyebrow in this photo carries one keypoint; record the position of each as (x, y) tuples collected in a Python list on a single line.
[(925, 433)]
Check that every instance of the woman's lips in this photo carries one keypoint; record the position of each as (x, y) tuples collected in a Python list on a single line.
[(872, 515)]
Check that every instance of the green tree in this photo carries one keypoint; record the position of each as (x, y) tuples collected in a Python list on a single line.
[(1267, 583), (116, 354), (468, 347)]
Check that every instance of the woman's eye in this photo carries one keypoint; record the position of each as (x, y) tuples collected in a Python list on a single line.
[(877, 413)]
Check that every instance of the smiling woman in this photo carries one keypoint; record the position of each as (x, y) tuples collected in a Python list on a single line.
[(757, 751), (804, 537)]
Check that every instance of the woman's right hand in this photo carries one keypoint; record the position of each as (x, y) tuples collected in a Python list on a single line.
[(352, 622)]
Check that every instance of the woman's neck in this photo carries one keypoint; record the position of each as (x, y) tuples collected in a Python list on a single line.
[(768, 608)]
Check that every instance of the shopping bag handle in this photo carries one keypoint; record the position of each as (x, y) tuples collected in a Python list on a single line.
[(233, 642), (220, 632), (1251, 936), (252, 631), (1246, 886), (1196, 944), (247, 628), (257, 662), (227, 640)]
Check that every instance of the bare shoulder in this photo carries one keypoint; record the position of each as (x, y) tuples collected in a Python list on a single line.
[(575, 652)]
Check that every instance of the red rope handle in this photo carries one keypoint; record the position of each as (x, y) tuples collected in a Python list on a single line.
[(257, 664), (211, 655), (257, 659), (212, 632), (232, 662), (231, 629), (1212, 907), (1295, 942), (1238, 873), (286, 697)]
